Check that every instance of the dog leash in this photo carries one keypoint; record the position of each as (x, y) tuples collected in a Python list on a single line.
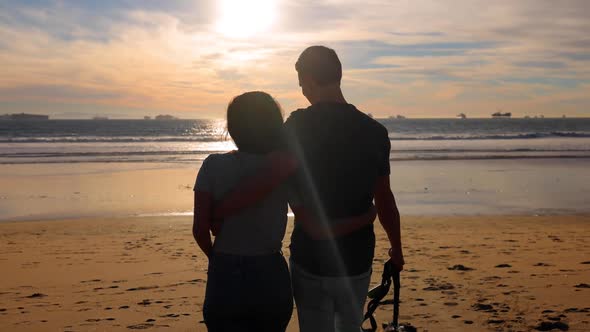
[(378, 293), (390, 275)]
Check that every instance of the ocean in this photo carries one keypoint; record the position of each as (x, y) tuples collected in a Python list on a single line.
[(181, 141)]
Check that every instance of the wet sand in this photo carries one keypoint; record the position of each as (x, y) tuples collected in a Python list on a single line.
[(504, 273), (451, 187)]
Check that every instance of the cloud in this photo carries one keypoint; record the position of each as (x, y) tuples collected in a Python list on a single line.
[(541, 64), (419, 58), (419, 34), (55, 92)]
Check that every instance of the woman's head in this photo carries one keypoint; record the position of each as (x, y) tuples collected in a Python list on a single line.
[(254, 122)]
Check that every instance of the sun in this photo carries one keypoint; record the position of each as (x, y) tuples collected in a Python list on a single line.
[(245, 18)]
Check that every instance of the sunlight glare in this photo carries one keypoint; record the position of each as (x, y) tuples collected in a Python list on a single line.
[(243, 19)]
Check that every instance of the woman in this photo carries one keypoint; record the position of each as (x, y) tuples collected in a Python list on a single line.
[(248, 287)]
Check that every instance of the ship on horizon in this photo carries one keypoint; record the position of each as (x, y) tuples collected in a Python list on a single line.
[(24, 116), (397, 117), (502, 115)]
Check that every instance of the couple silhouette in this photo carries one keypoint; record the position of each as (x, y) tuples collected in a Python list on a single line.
[(330, 163)]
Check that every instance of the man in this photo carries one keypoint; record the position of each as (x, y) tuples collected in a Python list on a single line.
[(342, 158), (344, 165)]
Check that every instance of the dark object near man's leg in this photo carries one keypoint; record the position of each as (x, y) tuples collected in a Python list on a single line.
[(378, 293)]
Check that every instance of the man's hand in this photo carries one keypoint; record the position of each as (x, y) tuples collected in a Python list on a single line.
[(397, 258)]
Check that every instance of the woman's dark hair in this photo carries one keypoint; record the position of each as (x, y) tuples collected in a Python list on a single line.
[(255, 122), (321, 63)]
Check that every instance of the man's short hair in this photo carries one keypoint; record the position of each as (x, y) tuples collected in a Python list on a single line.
[(321, 63)]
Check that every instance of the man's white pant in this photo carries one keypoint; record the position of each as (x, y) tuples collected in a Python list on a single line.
[(329, 304)]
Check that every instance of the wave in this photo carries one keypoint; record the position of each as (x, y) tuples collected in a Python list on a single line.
[(207, 152), (123, 139), (222, 138), (489, 157), (109, 154), (490, 137), (199, 154), (154, 159)]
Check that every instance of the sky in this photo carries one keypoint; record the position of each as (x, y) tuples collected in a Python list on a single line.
[(417, 58)]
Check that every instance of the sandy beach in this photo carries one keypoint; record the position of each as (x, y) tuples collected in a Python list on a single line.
[(490, 245), (504, 273)]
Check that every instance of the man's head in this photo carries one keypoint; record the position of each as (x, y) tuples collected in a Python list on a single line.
[(319, 71)]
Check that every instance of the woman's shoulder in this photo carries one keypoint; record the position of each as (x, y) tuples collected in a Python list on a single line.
[(233, 161), (217, 165), (217, 158)]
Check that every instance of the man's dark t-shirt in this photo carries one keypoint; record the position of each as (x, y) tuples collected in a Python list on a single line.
[(341, 152)]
